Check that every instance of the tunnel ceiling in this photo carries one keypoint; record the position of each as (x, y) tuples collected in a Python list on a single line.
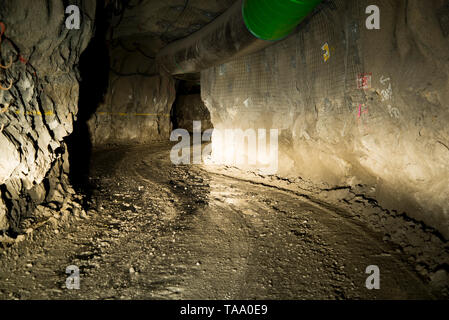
[(156, 23)]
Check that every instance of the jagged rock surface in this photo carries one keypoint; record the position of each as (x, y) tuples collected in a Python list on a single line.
[(189, 108), (41, 106)]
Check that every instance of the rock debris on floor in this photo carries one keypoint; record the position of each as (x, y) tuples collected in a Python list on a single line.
[(159, 231)]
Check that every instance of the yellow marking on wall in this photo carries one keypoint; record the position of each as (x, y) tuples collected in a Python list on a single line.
[(327, 53), (3, 110), (35, 113), (123, 114)]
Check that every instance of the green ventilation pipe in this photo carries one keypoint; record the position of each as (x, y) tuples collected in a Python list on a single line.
[(246, 27), (275, 19)]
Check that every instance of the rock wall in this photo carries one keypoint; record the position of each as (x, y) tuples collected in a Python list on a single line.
[(189, 108), (39, 109), (137, 105), (358, 108), (136, 110)]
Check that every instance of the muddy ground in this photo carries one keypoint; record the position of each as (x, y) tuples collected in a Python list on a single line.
[(159, 231)]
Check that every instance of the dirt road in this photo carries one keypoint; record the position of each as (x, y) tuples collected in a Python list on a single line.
[(166, 232)]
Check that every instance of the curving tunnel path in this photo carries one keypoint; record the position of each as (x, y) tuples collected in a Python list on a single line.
[(185, 232)]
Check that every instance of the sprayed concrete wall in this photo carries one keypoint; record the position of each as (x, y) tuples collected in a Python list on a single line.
[(355, 107)]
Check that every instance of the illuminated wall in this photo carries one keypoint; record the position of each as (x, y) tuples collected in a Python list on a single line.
[(354, 106)]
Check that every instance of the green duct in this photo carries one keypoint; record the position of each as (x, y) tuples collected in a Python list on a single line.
[(275, 19)]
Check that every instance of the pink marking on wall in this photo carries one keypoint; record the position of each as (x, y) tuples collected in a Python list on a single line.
[(360, 112), (364, 81)]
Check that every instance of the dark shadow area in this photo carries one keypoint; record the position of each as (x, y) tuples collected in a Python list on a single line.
[(94, 71), (179, 114)]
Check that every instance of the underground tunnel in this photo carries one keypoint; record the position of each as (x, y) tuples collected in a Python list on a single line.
[(224, 149)]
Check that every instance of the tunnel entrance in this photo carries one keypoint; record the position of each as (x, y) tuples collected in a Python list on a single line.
[(188, 106)]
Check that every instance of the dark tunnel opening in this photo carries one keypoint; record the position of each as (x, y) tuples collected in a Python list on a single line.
[(188, 105), (94, 67)]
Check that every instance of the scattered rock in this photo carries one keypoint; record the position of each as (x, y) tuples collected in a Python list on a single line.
[(20, 238), (440, 279)]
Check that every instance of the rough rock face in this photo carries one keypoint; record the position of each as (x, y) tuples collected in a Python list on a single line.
[(167, 20), (136, 107), (371, 114), (189, 108), (39, 109), (136, 110), (138, 103)]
